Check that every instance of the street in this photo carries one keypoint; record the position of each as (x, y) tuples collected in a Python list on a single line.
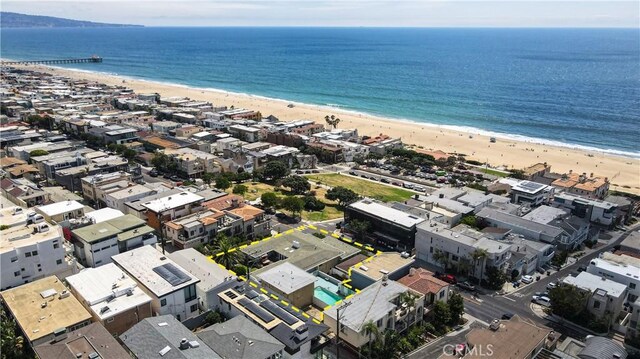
[(442, 344)]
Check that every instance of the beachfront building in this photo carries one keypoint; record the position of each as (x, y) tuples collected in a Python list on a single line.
[(595, 211), (97, 243), (389, 227), (171, 287), (111, 296), (45, 298), (529, 193), (455, 247), (29, 251), (382, 144), (606, 297), (379, 303), (213, 278), (580, 184)]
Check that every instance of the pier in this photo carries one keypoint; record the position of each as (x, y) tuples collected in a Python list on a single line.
[(93, 58)]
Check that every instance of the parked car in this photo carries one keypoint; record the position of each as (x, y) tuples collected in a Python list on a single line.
[(541, 294), (153, 173), (582, 268), (507, 316), (526, 279), (551, 285), (353, 173), (467, 286), (449, 278), (541, 300)]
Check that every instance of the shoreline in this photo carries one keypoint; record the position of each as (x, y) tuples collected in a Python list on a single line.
[(511, 151)]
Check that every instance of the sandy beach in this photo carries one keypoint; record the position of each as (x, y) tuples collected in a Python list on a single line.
[(624, 172)]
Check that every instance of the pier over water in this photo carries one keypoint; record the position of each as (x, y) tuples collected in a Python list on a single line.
[(93, 58)]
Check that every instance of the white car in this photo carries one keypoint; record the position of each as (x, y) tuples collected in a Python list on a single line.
[(526, 279), (551, 285), (541, 300)]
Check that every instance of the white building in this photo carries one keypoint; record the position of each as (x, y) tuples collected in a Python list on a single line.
[(30, 252), (212, 278), (111, 296), (117, 199), (61, 211), (596, 211), (626, 274), (606, 297), (171, 287), (165, 126), (436, 244), (530, 193)]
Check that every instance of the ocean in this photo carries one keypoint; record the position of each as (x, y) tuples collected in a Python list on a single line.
[(575, 87)]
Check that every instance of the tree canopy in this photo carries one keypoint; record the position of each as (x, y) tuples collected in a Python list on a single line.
[(343, 195), (297, 184), (269, 200), (293, 204), (275, 170)]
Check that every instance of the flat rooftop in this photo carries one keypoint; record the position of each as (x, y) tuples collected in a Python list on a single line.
[(287, 278), (520, 222), (194, 262), (172, 201), (465, 236), (382, 264), (37, 320), (154, 270), (513, 336), (591, 283), (20, 236), (130, 192), (626, 270), (386, 213), (55, 209), (13, 216), (104, 214), (311, 251), (107, 290), (529, 187), (545, 214)]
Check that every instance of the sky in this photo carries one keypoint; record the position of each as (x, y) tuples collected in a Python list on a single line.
[(374, 13)]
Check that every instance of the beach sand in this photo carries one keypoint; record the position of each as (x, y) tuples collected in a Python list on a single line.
[(623, 172)]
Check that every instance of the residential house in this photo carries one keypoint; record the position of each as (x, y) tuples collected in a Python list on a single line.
[(390, 265), (117, 199), (619, 272), (202, 227), (425, 282), (213, 278), (91, 185), (23, 192), (164, 337), (256, 225), (606, 297), (61, 211), (45, 298), (194, 163), (89, 342), (240, 338), (171, 206), (593, 210), (382, 144), (289, 282), (171, 287), (580, 184), (245, 133), (29, 251), (111, 296), (379, 303)]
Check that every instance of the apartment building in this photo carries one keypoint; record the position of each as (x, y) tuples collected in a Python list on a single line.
[(117, 199), (606, 296), (170, 206), (111, 296), (61, 211), (194, 163), (202, 227), (619, 272), (580, 184), (93, 186), (593, 210)]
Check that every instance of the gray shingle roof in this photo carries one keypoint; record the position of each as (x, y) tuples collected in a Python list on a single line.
[(147, 338), (240, 338)]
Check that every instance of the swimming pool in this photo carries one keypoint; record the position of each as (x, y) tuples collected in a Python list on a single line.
[(328, 290), (326, 296)]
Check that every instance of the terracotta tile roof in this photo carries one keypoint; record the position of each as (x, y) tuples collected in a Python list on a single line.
[(423, 281), (20, 169), (224, 203), (10, 161), (247, 212)]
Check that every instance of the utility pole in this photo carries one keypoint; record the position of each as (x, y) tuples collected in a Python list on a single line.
[(342, 307)]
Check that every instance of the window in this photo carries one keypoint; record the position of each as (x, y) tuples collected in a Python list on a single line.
[(454, 258), (28, 254), (56, 246), (194, 308), (430, 249), (442, 294), (190, 293), (632, 285), (596, 304), (59, 261), (163, 302), (16, 273), (109, 320), (34, 253), (14, 259)]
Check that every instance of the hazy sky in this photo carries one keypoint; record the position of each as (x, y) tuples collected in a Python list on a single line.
[(469, 13)]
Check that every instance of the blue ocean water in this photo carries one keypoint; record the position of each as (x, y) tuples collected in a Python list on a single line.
[(575, 86)]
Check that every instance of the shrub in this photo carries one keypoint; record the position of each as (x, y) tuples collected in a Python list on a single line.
[(319, 235)]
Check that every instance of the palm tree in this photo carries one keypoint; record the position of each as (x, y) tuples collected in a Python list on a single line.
[(408, 300), (464, 266), (370, 329), (479, 255), (228, 258), (336, 121), (327, 119), (442, 258)]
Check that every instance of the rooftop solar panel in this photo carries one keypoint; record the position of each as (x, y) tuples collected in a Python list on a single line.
[(231, 294), (172, 274), (251, 294), (256, 310), (279, 312)]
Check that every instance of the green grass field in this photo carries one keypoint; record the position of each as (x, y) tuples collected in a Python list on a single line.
[(363, 187), (493, 172)]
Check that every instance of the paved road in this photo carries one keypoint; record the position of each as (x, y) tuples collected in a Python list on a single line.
[(443, 344), (491, 306)]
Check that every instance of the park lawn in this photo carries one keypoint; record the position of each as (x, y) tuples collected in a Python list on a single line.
[(493, 172), (330, 211), (363, 187), (255, 190)]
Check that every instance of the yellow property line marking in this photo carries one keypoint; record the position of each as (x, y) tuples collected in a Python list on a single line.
[(289, 231), (274, 296), (349, 296), (243, 246), (346, 239), (321, 315), (219, 254), (357, 244), (312, 227), (327, 307), (255, 242), (242, 277), (232, 272), (357, 290), (266, 239), (284, 302), (295, 309), (316, 321), (253, 284), (348, 286), (324, 231), (335, 235), (232, 250), (305, 315), (221, 266), (368, 248), (264, 291)]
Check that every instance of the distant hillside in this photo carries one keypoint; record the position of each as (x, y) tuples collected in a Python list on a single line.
[(14, 20)]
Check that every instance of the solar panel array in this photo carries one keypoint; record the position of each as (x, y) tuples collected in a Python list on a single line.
[(531, 185), (279, 312), (256, 310), (231, 294), (172, 274), (251, 294)]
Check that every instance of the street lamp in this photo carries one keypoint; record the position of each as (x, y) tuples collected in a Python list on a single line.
[(342, 307)]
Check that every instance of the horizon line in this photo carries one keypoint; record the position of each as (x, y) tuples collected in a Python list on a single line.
[(328, 27)]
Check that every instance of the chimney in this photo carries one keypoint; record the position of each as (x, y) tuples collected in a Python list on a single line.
[(184, 344), (441, 195)]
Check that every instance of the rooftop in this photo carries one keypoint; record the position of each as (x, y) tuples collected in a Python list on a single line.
[(372, 303), (545, 214), (154, 270), (626, 270), (591, 283), (194, 262), (514, 339), (109, 228), (310, 252), (93, 338), (423, 281), (382, 264), (104, 214), (159, 337), (286, 277), (20, 236), (520, 222), (130, 192), (529, 187), (38, 320), (107, 290), (465, 236), (240, 338), (55, 209), (247, 212), (386, 213), (172, 201), (449, 204)]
